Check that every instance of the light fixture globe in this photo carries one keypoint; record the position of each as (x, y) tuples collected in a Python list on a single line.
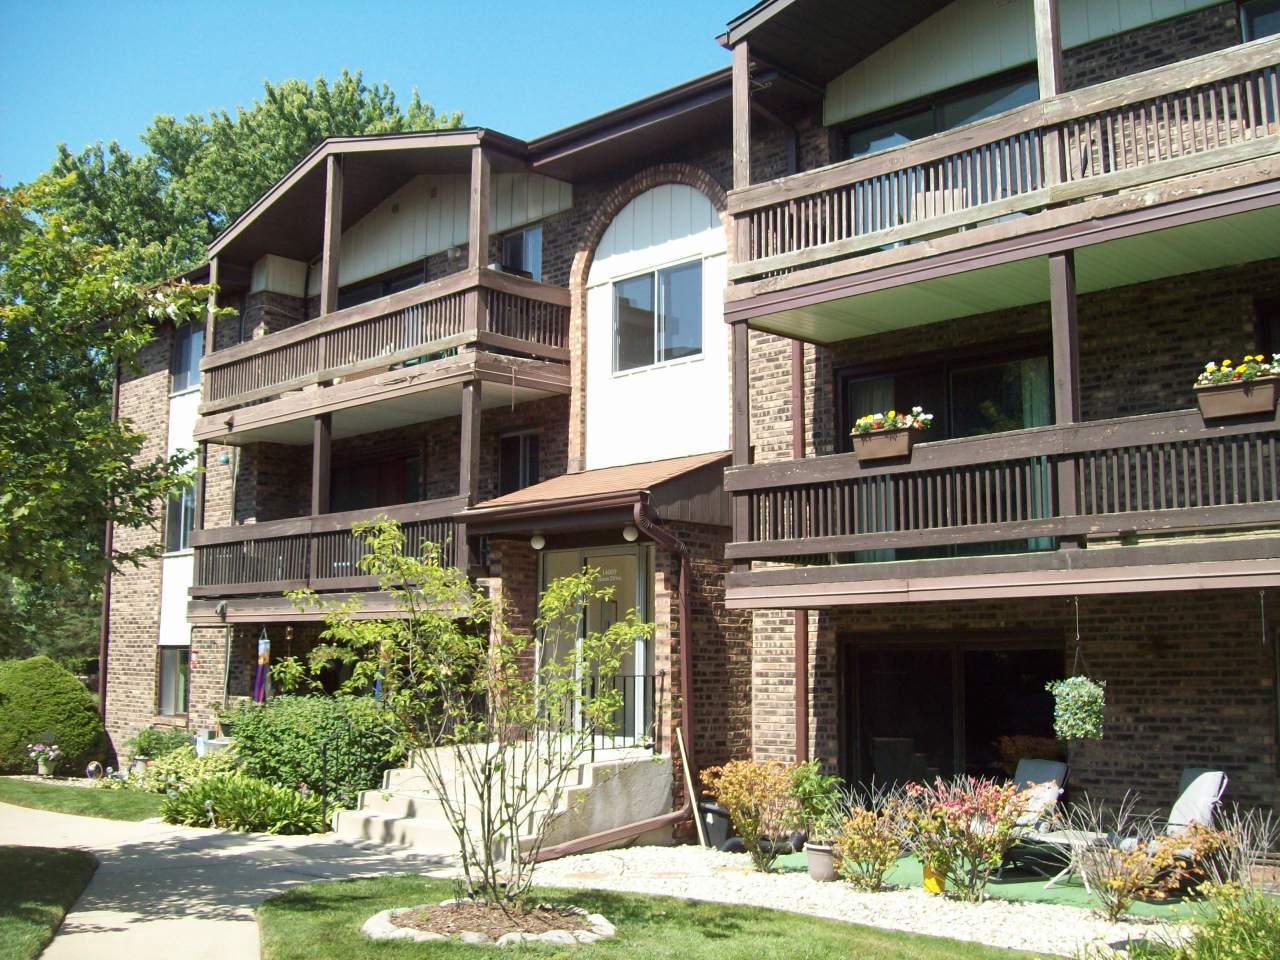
[(537, 541), (630, 533)]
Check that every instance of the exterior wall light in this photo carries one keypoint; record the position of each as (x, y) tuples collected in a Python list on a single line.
[(537, 541), (630, 533)]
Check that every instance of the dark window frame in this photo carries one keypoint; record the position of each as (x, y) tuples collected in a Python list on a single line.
[(1249, 10), (378, 463), (529, 468), (383, 284), (185, 668), (184, 501), (941, 362), (522, 268), (1267, 317), (934, 102)]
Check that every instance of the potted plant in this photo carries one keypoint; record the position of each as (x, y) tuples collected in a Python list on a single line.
[(46, 756), (1077, 707), (1228, 390), (886, 436), (818, 798)]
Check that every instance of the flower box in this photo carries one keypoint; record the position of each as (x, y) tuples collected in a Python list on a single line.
[(1238, 398), (884, 444)]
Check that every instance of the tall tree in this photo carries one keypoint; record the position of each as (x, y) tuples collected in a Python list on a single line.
[(199, 173)]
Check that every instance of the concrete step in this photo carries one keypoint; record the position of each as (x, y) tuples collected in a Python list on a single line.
[(426, 835)]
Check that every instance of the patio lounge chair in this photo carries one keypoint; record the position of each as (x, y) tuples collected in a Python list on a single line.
[(1199, 793), (1044, 779)]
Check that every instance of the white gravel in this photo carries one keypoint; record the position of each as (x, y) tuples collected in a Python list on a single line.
[(699, 874)]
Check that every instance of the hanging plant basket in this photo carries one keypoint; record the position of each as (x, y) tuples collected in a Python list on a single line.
[(1077, 708)]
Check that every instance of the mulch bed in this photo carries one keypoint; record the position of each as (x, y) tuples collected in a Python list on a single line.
[(492, 921)]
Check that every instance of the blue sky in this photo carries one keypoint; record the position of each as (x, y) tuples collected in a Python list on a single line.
[(87, 71)]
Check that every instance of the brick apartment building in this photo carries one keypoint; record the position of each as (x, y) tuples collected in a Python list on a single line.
[(641, 343)]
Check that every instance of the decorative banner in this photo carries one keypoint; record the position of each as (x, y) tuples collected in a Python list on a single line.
[(262, 679)]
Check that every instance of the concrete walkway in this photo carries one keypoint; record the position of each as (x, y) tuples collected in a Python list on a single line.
[(162, 891)]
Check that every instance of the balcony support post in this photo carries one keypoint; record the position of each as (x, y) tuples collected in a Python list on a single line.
[(329, 258), (202, 462), (797, 400), (741, 426), (468, 464), (478, 224), (802, 685), (321, 436), (1066, 366), (1049, 70), (741, 116), (210, 326)]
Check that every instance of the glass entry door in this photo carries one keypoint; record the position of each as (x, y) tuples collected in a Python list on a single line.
[(626, 570)]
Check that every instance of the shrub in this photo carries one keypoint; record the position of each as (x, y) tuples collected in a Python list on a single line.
[(818, 797), (962, 828), (758, 798), (1078, 704), (41, 702), (337, 746), (156, 742), (1235, 924), (181, 767), (872, 836), (233, 801)]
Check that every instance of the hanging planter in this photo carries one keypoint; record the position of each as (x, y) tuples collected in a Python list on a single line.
[(1077, 707)]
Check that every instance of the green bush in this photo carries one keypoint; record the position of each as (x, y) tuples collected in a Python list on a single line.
[(233, 801), (41, 701), (285, 741), (1235, 925), (181, 767), (155, 742)]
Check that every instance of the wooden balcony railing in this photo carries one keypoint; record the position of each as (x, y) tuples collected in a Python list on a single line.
[(319, 552), (1175, 120), (476, 306), (1165, 472)]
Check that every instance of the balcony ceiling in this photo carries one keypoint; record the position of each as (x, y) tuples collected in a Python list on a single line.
[(288, 220), (1206, 245), (817, 40)]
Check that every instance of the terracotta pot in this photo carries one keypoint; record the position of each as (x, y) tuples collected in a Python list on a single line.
[(884, 444), (822, 861), (1238, 399), (934, 882)]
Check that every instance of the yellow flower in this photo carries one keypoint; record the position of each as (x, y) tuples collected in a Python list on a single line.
[(1226, 363), (892, 414)]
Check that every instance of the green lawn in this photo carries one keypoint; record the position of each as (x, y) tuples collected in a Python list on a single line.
[(85, 801), (37, 887), (324, 919)]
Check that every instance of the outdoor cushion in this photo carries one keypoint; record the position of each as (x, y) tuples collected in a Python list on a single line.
[(1047, 777), (1198, 796)]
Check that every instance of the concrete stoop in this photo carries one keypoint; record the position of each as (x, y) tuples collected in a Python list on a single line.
[(619, 786)]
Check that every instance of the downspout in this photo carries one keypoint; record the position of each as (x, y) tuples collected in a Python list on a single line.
[(646, 521), (108, 547)]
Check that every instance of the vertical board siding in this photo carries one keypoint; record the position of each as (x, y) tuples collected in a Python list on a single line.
[(429, 215), (970, 39)]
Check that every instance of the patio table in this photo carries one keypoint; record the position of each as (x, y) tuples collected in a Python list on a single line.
[(1071, 841)]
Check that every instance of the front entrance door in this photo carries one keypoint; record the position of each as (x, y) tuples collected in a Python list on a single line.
[(921, 709), (626, 570)]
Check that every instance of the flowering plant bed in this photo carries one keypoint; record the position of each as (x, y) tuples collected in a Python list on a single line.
[(475, 922), (882, 436), (1229, 390)]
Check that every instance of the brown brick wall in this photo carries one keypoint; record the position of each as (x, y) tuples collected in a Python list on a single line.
[(1190, 681), (135, 591)]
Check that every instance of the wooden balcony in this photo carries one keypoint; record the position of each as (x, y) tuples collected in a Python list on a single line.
[(479, 307), (1039, 161), (1123, 480), (319, 552)]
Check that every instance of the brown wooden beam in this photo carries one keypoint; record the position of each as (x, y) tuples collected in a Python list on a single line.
[(469, 455), (332, 235), (202, 462), (741, 116), (321, 439), (802, 685), (797, 400), (478, 223), (1066, 367), (1048, 47), (210, 324)]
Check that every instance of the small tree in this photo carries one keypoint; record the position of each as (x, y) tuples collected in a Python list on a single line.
[(495, 726)]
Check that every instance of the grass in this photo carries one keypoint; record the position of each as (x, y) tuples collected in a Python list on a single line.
[(1018, 885), (37, 887), (82, 801), (324, 919)]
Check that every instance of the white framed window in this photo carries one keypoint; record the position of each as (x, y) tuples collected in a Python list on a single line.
[(522, 252), (657, 317), (179, 520), (175, 680), (184, 366)]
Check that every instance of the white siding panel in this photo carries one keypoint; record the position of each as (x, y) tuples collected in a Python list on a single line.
[(970, 39), (177, 573), (643, 415), (432, 216)]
